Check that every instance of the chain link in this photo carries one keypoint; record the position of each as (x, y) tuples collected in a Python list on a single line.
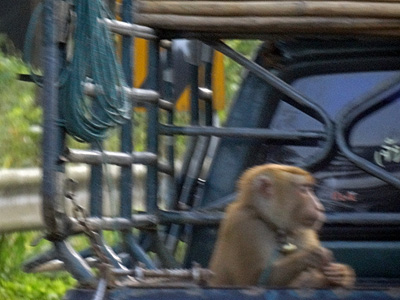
[(80, 214)]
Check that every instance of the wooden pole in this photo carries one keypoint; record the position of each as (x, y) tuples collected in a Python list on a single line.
[(269, 25), (271, 8)]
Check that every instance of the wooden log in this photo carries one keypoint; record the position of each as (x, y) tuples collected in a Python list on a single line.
[(271, 8), (269, 25)]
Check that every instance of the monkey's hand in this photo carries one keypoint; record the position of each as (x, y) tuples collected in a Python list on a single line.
[(339, 274), (318, 257)]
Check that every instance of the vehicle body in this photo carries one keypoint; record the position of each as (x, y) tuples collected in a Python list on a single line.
[(325, 102), (361, 209)]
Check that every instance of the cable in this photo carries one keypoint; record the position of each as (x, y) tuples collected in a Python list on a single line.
[(94, 60)]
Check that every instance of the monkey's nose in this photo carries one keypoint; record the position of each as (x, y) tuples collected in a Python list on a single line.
[(318, 205)]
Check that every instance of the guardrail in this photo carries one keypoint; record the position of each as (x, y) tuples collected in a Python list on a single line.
[(20, 195)]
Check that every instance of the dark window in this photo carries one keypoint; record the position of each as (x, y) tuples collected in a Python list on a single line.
[(376, 137)]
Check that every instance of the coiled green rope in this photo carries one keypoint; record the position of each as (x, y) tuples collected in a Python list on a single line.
[(94, 60)]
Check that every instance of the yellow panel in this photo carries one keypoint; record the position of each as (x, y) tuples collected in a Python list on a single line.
[(183, 103), (218, 86), (140, 58), (140, 62), (218, 81)]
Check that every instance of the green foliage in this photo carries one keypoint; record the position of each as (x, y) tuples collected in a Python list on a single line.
[(33, 287), (233, 71), (15, 284), (20, 116), (20, 147)]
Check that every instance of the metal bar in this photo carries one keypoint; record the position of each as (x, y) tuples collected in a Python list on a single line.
[(142, 97), (53, 209), (96, 186), (194, 169), (96, 205), (195, 217), (168, 89), (75, 264), (40, 259), (202, 144), (166, 258), (205, 93), (126, 181), (196, 164), (137, 252), (166, 105), (213, 218), (383, 96), (152, 129), (114, 158), (51, 131), (115, 223), (194, 82), (152, 133), (129, 29), (139, 96), (117, 158), (244, 133), (301, 102), (196, 273), (143, 221), (188, 187), (363, 219)]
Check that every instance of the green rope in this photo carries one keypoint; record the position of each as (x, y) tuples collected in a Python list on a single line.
[(88, 119)]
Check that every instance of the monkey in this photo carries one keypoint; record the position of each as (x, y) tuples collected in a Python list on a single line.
[(269, 234)]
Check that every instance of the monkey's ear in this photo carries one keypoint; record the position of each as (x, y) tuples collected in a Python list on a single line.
[(263, 185)]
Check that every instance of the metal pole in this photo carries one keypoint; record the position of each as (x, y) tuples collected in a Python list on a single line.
[(126, 182), (51, 131), (153, 128)]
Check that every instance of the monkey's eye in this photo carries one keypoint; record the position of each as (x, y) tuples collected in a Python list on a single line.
[(306, 188)]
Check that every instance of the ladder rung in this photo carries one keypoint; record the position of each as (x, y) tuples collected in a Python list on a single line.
[(165, 104), (205, 94), (139, 96), (148, 220), (125, 28), (94, 157), (244, 133)]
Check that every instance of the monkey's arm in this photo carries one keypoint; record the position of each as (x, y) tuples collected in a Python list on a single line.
[(288, 268)]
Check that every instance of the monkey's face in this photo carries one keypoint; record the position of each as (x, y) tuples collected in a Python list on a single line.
[(283, 196), (308, 211)]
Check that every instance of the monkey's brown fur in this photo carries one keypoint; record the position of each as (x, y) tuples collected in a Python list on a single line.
[(275, 202)]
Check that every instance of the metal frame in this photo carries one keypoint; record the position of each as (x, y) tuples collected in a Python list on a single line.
[(181, 186)]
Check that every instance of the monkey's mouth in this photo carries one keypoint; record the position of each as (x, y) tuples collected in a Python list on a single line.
[(319, 221), (315, 222)]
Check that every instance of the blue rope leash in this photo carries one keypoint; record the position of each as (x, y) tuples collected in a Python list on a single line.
[(265, 274)]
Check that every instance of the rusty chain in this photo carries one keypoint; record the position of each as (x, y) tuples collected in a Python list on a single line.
[(80, 214)]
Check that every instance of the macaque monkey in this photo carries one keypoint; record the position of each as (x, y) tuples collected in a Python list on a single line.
[(269, 235)]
